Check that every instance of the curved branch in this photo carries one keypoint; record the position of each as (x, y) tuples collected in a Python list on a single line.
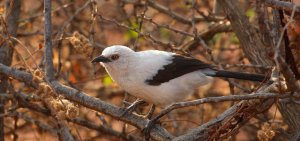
[(219, 99)]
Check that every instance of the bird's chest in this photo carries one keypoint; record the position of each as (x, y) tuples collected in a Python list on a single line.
[(129, 82), (133, 81)]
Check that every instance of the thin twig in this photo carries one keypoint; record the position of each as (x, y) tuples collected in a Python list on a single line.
[(288, 6), (140, 25), (41, 14), (38, 123), (217, 100)]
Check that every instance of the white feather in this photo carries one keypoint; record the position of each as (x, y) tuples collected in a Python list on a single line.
[(132, 69)]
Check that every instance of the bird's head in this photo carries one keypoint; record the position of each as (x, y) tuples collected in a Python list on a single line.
[(115, 57)]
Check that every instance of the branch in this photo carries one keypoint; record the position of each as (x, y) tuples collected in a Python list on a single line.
[(251, 41), (22, 102), (48, 41), (104, 129), (64, 132), (280, 62), (289, 109), (257, 52), (146, 36), (177, 16), (101, 106), (58, 38), (85, 100), (173, 14), (229, 122), (30, 120), (287, 6), (59, 34), (219, 99), (169, 12)]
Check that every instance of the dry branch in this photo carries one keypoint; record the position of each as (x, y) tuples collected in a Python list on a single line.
[(249, 38), (288, 6), (48, 41), (229, 122), (219, 99), (23, 102), (255, 48), (85, 100)]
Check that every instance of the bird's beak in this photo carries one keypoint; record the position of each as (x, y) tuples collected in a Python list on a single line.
[(101, 59)]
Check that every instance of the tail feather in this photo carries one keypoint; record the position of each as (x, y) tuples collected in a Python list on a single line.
[(238, 75)]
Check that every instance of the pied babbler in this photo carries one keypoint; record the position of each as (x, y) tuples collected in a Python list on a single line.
[(158, 77)]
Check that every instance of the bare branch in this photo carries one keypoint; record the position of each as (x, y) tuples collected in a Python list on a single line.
[(178, 17), (90, 102), (38, 123), (288, 6), (48, 41), (101, 106), (249, 38), (227, 123), (219, 99), (289, 108), (104, 129), (22, 102), (64, 132)]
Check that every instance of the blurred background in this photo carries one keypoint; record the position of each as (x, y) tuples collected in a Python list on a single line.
[(82, 29)]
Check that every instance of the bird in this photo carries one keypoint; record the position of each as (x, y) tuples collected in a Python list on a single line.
[(159, 77)]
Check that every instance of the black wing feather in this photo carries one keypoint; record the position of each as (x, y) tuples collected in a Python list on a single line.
[(180, 65)]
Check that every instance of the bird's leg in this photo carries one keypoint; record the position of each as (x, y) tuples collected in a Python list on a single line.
[(151, 122), (133, 106), (151, 111), (149, 127)]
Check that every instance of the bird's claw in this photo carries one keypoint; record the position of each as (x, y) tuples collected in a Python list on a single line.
[(132, 107), (126, 111), (150, 113), (148, 127)]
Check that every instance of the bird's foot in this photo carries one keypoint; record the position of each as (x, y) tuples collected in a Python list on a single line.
[(150, 113), (149, 126), (133, 106)]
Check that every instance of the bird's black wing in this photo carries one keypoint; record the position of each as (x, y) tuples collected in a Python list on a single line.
[(180, 65)]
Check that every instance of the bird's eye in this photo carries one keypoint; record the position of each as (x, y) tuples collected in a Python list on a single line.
[(114, 57)]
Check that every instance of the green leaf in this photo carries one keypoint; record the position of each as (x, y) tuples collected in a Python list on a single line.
[(216, 38), (251, 14), (234, 39), (131, 34), (107, 80)]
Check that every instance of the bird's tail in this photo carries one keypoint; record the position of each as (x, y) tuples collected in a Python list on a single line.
[(237, 75)]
